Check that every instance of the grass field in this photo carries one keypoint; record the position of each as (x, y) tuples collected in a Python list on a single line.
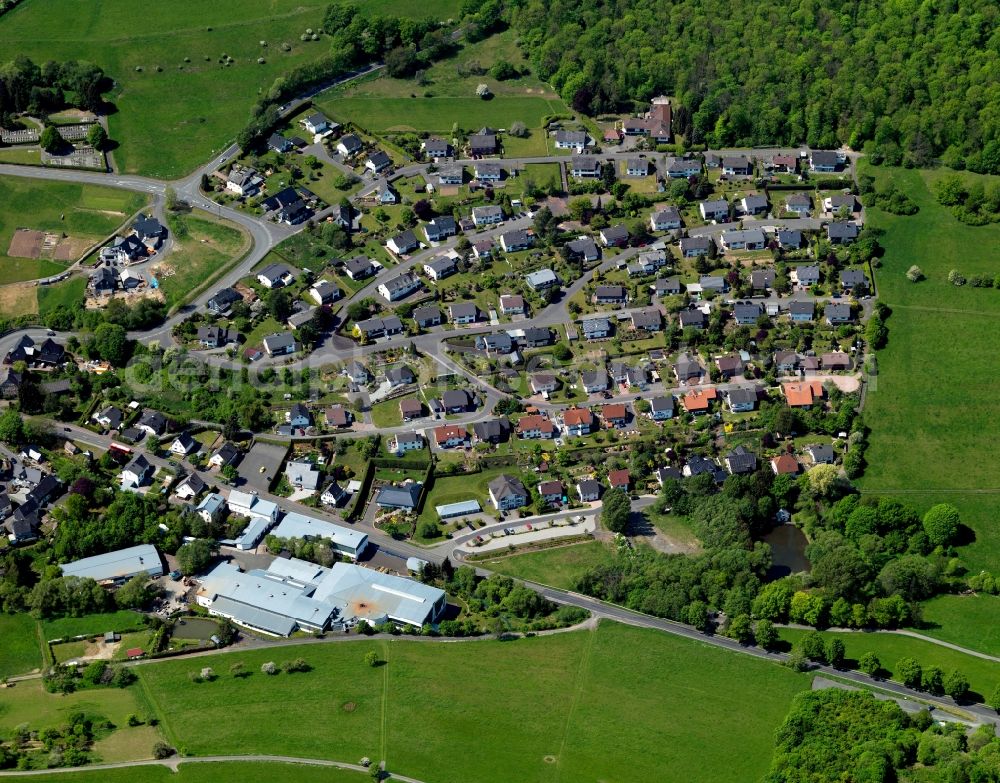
[(18, 299), (966, 620), (88, 212), (28, 702), (68, 292), (546, 709), (453, 489), (208, 102), (934, 410), (204, 248), (91, 624), (20, 648), (382, 104), (891, 648), (558, 567), (218, 772)]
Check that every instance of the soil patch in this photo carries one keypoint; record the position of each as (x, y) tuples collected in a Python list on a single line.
[(70, 249), (26, 243)]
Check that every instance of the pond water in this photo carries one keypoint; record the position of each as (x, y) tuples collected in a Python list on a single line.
[(788, 551), (195, 628)]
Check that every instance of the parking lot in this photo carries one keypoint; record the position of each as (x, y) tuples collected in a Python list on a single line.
[(261, 465)]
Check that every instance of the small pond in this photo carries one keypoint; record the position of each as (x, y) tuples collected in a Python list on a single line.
[(195, 628), (788, 551)]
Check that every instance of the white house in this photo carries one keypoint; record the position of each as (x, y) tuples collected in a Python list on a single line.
[(183, 444)]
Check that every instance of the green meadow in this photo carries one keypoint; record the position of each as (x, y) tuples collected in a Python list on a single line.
[(559, 707)]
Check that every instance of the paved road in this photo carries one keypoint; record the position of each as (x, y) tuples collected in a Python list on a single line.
[(175, 762)]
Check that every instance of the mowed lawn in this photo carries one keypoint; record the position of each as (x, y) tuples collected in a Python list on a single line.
[(558, 567), (891, 648), (204, 247), (170, 120), (966, 620), (88, 212), (20, 648), (934, 411), (612, 704), (91, 624), (208, 772)]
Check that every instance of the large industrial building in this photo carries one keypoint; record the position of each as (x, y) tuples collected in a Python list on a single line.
[(115, 568), (297, 595)]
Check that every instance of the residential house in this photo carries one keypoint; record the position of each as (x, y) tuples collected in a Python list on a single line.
[(136, 472), (671, 286), (666, 219), (747, 313), (578, 421), (226, 454), (333, 495), (661, 408), (317, 124), (762, 279), (698, 401), (211, 508), (427, 316), (299, 416), (542, 279), (683, 168), (436, 148), (821, 454), (692, 318), (507, 493), (492, 430), (551, 492), (806, 276), (789, 239), (730, 366), (824, 161), (385, 194), (183, 445), (280, 144), (487, 171), (801, 310), (403, 243), (451, 175), (534, 426), (594, 381), (518, 239), (799, 204), (619, 479), (440, 267), (456, 401), (359, 267), (740, 461), (373, 328), (405, 496), (785, 465), (692, 247), (784, 163), (410, 408), (149, 231), (838, 360), (400, 287), (589, 490), (483, 144), (584, 249), (786, 361), (699, 464), (512, 304), (747, 239), (275, 276), (302, 475), (838, 313), (440, 228), (400, 376), (404, 442), (11, 385), (190, 487), (535, 337), (498, 343), (841, 232), (614, 236), (483, 248), (754, 204), (648, 320), (103, 281), (357, 373), (804, 394), (615, 415), (47, 354), (244, 182), (152, 422), (571, 140), (742, 399), (463, 312), (488, 215), (349, 145), (223, 301), (663, 475), (716, 209), (450, 435), (853, 280), (280, 344), (596, 328), (737, 166), (610, 294), (636, 167), (110, 418), (543, 383), (585, 167), (324, 292), (838, 201)]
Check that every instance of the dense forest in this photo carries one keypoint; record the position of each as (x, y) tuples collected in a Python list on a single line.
[(834, 735), (908, 81)]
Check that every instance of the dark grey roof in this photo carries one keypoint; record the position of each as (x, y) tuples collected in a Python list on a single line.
[(741, 460), (742, 395)]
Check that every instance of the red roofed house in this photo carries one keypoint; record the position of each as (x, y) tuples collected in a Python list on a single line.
[(785, 465), (535, 427), (578, 421), (619, 479), (449, 435), (697, 400), (615, 415), (802, 395)]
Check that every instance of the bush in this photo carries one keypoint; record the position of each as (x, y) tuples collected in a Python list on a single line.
[(298, 665), (914, 274), (268, 668), (161, 750), (371, 658)]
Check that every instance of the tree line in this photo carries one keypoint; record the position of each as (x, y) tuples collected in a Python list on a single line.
[(40, 89), (908, 86)]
